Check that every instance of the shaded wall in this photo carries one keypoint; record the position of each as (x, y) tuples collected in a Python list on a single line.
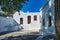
[(57, 18)]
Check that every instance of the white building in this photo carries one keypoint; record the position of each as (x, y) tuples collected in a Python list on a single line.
[(8, 24), (48, 20), (29, 20)]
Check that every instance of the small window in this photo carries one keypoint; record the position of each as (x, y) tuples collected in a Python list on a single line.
[(21, 20), (19, 13), (35, 18), (29, 19), (49, 20), (43, 22)]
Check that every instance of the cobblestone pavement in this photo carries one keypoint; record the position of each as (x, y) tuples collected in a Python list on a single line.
[(20, 35), (24, 37)]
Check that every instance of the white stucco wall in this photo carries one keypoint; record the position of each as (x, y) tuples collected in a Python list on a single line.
[(35, 25), (47, 10)]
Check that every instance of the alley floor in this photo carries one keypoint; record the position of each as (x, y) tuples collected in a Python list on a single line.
[(21, 35)]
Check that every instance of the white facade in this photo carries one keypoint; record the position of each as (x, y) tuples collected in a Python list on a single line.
[(34, 25), (48, 21), (8, 24)]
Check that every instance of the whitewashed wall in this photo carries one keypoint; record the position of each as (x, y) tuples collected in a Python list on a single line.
[(47, 10), (35, 25), (7, 24)]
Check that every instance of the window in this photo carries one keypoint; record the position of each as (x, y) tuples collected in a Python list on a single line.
[(29, 19), (35, 18), (21, 20), (49, 20), (43, 22), (19, 13)]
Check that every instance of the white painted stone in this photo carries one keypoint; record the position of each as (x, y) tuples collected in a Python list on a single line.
[(35, 25)]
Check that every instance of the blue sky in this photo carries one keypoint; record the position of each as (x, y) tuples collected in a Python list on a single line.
[(33, 5)]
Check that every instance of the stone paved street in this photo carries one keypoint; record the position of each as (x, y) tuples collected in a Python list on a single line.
[(24, 37), (21, 35)]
